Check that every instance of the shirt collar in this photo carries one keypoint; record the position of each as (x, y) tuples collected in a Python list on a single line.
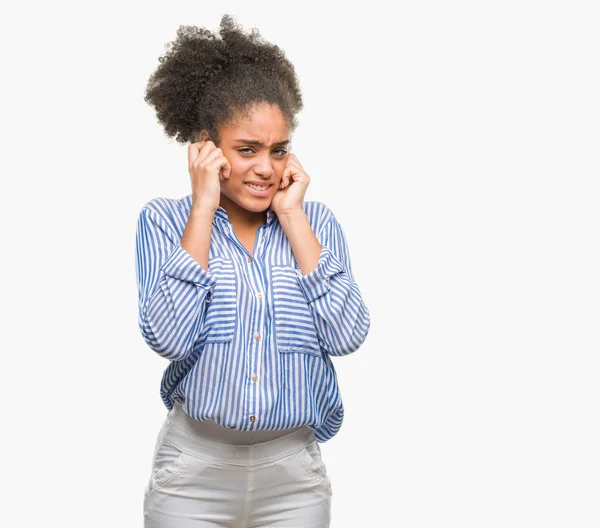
[(271, 215), (221, 215)]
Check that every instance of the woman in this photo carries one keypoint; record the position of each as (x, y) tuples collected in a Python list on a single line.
[(247, 290)]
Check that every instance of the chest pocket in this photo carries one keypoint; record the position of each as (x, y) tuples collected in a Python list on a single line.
[(294, 327), (221, 314)]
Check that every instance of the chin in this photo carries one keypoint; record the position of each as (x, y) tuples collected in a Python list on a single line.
[(257, 205), (257, 208)]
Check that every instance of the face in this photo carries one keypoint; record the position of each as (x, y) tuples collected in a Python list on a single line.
[(257, 149)]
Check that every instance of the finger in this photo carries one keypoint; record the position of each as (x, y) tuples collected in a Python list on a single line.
[(285, 178), (194, 151), (204, 148), (207, 154), (222, 166), (226, 169), (295, 163), (293, 158)]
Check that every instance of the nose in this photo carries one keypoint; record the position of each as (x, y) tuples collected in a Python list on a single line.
[(264, 167)]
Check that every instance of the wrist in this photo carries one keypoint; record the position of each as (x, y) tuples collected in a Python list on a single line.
[(200, 209), (291, 214)]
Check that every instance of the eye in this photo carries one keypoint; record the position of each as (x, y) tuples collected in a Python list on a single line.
[(248, 150)]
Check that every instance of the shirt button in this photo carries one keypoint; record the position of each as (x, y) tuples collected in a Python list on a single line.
[(249, 259), (252, 418), (257, 336), (254, 377), (264, 236), (259, 295)]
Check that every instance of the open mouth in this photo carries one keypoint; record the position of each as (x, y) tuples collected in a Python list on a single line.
[(258, 190)]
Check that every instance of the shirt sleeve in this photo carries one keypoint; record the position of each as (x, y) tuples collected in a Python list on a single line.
[(341, 318), (173, 289)]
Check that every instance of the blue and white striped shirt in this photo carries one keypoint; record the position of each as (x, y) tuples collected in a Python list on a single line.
[(250, 339)]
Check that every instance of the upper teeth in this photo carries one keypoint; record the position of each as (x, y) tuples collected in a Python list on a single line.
[(257, 187)]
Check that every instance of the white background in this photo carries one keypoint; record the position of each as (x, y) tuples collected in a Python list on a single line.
[(456, 142)]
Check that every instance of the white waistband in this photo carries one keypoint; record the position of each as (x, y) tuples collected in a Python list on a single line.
[(211, 430)]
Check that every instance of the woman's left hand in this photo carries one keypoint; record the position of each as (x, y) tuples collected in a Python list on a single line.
[(290, 195)]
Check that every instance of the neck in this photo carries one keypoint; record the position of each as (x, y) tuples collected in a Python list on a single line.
[(242, 217)]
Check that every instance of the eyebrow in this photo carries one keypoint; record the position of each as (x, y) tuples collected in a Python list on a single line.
[(260, 144)]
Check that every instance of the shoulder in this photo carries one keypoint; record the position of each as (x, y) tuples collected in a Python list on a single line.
[(165, 207), (319, 214), (167, 211)]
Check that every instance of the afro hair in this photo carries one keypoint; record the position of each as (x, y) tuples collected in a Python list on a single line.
[(207, 82)]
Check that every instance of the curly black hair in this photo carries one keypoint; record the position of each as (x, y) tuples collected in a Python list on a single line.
[(206, 82)]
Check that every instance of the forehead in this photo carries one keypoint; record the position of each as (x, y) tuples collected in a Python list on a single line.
[(264, 122)]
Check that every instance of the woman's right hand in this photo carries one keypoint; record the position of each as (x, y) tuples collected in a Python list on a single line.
[(208, 167)]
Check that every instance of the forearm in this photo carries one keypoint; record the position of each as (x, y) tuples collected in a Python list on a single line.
[(304, 243), (339, 313), (172, 286), (196, 236), (173, 318)]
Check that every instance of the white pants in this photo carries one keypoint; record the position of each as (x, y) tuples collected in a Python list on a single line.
[(196, 482)]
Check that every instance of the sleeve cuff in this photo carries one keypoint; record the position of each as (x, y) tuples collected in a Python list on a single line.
[(316, 283), (181, 265)]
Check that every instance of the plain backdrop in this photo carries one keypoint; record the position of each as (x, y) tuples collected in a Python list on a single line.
[(457, 144)]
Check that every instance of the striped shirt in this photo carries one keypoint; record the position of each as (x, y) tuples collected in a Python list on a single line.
[(250, 339)]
